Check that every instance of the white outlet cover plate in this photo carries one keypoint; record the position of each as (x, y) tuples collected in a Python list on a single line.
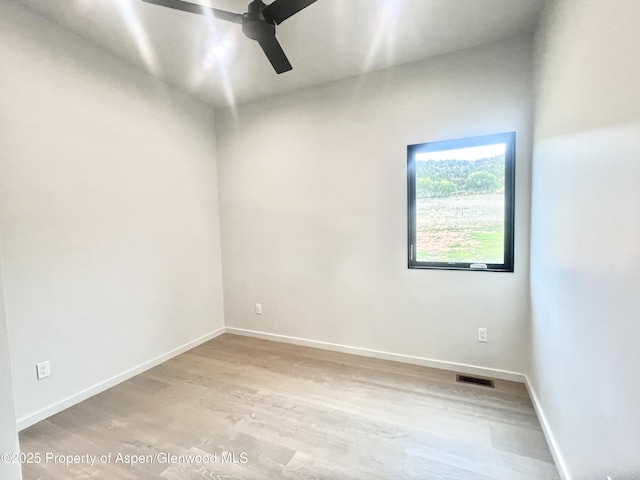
[(482, 335), (43, 370)]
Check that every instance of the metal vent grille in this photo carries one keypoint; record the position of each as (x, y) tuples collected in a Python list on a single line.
[(475, 380)]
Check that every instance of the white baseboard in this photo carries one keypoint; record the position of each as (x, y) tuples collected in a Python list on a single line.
[(396, 357), (561, 465), (40, 415)]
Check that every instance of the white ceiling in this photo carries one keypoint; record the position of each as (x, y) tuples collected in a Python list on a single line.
[(329, 40)]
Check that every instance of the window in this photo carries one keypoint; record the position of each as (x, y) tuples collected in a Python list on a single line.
[(461, 203)]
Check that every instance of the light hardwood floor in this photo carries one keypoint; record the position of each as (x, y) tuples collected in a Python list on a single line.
[(270, 410)]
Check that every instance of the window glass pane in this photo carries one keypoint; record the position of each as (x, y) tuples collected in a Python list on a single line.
[(460, 205)]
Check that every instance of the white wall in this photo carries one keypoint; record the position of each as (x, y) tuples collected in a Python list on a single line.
[(108, 214), (313, 209), (8, 428), (585, 236)]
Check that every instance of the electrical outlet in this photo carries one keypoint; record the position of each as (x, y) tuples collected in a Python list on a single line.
[(43, 370), (483, 336), (259, 308)]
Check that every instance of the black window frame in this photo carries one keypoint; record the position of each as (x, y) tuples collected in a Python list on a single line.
[(509, 139)]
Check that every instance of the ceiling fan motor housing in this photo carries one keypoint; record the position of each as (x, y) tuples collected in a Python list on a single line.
[(255, 25)]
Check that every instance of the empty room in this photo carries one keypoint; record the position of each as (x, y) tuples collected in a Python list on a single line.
[(331, 239)]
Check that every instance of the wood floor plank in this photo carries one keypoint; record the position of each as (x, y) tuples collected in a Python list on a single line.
[(221, 469), (523, 441), (297, 413)]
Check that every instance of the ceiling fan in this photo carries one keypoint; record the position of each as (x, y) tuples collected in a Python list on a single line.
[(259, 23)]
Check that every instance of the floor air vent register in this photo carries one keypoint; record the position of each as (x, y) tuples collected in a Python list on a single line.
[(483, 382)]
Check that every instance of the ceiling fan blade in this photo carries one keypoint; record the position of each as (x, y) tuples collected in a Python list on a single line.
[(199, 9), (280, 10), (275, 54)]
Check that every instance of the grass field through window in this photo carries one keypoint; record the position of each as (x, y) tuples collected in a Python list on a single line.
[(464, 228)]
